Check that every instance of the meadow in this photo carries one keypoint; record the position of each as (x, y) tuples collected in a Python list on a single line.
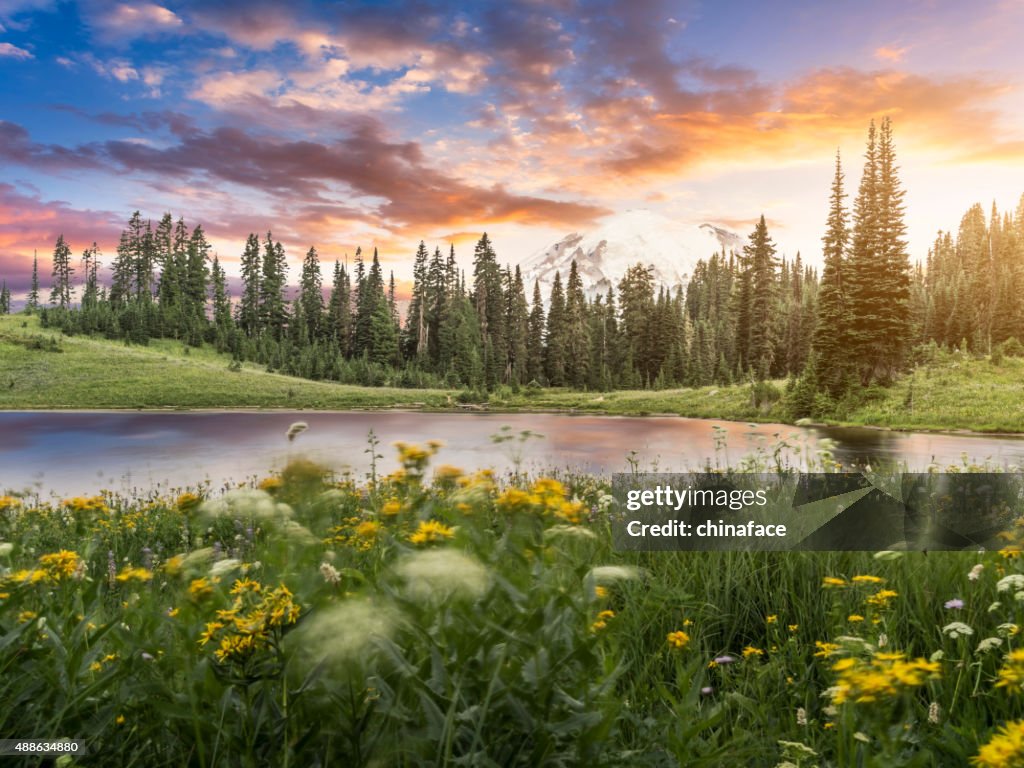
[(434, 617), (41, 369)]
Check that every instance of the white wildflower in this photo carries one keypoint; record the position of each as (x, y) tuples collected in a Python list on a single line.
[(883, 640), (1007, 630), (1015, 582), (330, 573), (344, 632), (988, 644), (6, 548), (801, 716), (975, 573), (247, 503), (437, 575), (957, 629), (604, 574)]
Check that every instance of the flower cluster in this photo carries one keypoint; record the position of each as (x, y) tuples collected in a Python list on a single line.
[(884, 676), (255, 618)]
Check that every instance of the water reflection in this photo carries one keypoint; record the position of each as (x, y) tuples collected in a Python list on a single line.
[(71, 453)]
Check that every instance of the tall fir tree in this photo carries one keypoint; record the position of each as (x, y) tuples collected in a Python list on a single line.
[(60, 293), (32, 302), (249, 304), (311, 295)]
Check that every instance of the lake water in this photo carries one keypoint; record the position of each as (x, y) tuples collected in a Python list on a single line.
[(72, 453)]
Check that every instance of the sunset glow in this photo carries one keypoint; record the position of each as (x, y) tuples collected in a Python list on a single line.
[(384, 123)]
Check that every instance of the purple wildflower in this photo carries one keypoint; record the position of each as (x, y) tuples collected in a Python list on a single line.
[(726, 659), (955, 604)]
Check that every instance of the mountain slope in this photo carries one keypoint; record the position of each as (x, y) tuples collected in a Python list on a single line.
[(604, 254)]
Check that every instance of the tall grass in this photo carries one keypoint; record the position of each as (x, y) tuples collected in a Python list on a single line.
[(436, 618)]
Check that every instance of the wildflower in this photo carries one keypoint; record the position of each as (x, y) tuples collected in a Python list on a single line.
[(6, 548), (447, 474), (707, 690), (200, 588), (725, 659), (514, 500), (1011, 675), (825, 650), (119, 720), (866, 579), (269, 484), (678, 639), (344, 632), (954, 604), (832, 581), (135, 574), (975, 572), (368, 529), (603, 574), (854, 618), (598, 625), (62, 565), (793, 628), (391, 508), (934, 712), (885, 676), (771, 619), (26, 616), (988, 644), (188, 502), (882, 598), (225, 566), (443, 574), (600, 592), (801, 716), (1015, 582), (9, 502), (172, 612), (330, 573), (752, 651), (1005, 748), (430, 531), (1008, 630), (957, 629)]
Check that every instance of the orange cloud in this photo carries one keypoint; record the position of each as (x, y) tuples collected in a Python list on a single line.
[(891, 53)]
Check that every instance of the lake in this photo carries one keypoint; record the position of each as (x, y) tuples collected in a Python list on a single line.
[(74, 453)]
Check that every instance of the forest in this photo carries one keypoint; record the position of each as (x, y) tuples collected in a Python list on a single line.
[(749, 316)]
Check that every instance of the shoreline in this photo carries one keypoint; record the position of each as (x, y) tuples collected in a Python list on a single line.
[(405, 408)]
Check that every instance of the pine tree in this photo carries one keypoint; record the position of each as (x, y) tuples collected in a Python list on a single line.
[(90, 266), (489, 302), (339, 310), (415, 339), (311, 295), (577, 339), (5, 299), (830, 343), (221, 298), (32, 302), (535, 338), (249, 304), (273, 277), (760, 257), (555, 336), (60, 293), (517, 322)]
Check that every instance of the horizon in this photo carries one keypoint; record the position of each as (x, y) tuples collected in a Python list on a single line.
[(383, 124)]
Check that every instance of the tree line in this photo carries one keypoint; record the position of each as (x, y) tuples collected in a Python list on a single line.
[(744, 316)]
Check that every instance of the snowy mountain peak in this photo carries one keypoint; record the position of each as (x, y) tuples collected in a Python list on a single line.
[(604, 254)]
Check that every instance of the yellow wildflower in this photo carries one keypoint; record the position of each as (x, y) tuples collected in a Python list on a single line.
[(825, 649), (853, 618), (135, 574), (430, 531), (600, 592), (200, 588), (1011, 676), (62, 565), (882, 597), (752, 651), (866, 579), (1005, 748), (832, 581), (391, 508), (678, 639)]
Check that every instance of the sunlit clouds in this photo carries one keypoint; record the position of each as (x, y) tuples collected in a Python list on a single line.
[(380, 124)]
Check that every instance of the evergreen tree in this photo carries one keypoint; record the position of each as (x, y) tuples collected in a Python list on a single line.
[(555, 336), (577, 331), (5, 299), (830, 343), (273, 277), (339, 310), (535, 338), (221, 298), (311, 295), (489, 303), (517, 322), (249, 304), (60, 293), (760, 258), (415, 340), (90, 266), (32, 302)]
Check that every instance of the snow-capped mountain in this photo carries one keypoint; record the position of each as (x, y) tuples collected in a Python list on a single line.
[(604, 254)]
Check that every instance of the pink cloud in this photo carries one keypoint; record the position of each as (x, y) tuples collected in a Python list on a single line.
[(14, 52)]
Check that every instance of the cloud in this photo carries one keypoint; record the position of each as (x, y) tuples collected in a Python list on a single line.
[(16, 146), (27, 222), (891, 54), (9, 51), (120, 23)]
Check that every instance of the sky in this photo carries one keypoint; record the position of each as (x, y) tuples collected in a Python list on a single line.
[(380, 124)]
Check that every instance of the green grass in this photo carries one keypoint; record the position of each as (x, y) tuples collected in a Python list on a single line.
[(490, 645), (951, 393), (95, 373)]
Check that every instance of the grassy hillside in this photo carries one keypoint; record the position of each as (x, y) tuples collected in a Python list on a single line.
[(952, 392), (94, 373)]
